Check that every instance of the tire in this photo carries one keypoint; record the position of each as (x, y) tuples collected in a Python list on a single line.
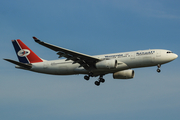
[(86, 77), (102, 80), (158, 70), (97, 83)]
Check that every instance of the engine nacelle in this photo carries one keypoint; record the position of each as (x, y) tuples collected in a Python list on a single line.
[(125, 74), (107, 64)]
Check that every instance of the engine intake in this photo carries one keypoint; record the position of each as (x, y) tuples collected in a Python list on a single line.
[(125, 74), (107, 64)]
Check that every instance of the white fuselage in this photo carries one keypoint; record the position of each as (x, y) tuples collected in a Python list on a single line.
[(125, 60)]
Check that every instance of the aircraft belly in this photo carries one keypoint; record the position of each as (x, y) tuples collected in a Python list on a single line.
[(66, 69), (81, 70), (55, 69)]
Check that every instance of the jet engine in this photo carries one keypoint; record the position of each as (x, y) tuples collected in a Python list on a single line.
[(107, 64), (125, 74)]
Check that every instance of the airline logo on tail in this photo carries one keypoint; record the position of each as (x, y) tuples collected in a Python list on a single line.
[(24, 53)]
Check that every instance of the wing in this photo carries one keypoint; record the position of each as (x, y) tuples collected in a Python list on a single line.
[(84, 60)]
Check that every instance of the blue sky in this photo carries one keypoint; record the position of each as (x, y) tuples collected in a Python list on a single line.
[(91, 27)]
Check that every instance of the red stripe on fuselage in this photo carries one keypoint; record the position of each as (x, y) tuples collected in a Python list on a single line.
[(32, 57)]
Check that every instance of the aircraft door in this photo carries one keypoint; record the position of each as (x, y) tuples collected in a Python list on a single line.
[(156, 57), (158, 53), (132, 55), (45, 65)]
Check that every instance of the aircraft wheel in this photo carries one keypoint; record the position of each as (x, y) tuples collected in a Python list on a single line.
[(158, 70), (86, 77), (102, 80), (97, 83)]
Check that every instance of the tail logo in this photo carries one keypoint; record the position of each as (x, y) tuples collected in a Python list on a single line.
[(23, 53)]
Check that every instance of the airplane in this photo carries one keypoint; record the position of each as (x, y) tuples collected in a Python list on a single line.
[(118, 64)]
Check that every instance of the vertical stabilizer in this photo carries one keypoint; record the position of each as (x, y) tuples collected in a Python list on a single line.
[(24, 53)]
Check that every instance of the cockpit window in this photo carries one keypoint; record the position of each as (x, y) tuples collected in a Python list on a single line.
[(169, 52)]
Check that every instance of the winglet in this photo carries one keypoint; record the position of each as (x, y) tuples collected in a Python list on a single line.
[(36, 39)]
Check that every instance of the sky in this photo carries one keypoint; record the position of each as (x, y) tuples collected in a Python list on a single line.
[(91, 27)]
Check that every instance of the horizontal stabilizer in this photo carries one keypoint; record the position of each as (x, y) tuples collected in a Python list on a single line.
[(24, 65)]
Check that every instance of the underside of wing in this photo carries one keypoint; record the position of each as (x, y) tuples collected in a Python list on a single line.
[(84, 60)]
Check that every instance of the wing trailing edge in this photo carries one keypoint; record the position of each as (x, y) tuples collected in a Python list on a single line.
[(84, 60)]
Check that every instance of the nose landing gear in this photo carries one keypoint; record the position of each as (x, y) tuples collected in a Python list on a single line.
[(158, 70)]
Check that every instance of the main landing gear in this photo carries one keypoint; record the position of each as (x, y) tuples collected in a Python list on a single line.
[(100, 80), (158, 70), (87, 77)]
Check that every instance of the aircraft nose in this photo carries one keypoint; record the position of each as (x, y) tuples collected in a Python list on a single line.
[(175, 56)]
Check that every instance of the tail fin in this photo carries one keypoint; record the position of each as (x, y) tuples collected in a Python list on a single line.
[(24, 54)]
